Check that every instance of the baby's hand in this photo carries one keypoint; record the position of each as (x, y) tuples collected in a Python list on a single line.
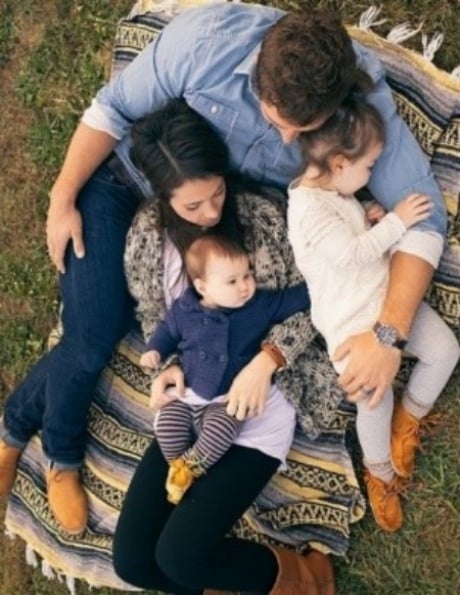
[(413, 208), (374, 212), (150, 359)]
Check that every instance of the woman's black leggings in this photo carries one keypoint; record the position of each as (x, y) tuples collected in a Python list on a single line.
[(183, 549)]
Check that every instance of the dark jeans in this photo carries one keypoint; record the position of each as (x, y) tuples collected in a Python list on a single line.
[(183, 549), (56, 394)]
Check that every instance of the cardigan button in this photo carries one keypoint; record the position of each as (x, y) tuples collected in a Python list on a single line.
[(223, 358), (202, 355)]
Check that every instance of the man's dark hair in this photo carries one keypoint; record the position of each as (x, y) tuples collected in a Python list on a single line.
[(307, 66)]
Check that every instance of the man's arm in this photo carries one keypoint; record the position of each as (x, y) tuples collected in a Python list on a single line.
[(402, 169), (87, 149), (371, 365), (158, 73)]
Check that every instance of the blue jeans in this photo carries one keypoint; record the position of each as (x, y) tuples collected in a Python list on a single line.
[(56, 394)]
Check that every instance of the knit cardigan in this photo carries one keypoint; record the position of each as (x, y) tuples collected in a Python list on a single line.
[(308, 380)]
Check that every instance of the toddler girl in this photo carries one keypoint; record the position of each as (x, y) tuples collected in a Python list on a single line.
[(345, 261)]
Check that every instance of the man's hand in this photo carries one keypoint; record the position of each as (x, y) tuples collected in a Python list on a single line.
[(249, 391), (370, 370), (172, 376), (64, 223)]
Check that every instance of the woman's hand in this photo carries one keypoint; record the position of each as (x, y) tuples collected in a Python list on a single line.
[(171, 377), (64, 223), (249, 390), (370, 370), (150, 359)]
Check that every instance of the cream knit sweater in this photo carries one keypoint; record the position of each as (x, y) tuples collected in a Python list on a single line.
[(343, 259)]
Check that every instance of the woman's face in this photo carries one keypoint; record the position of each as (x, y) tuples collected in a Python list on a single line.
[(200, 201)]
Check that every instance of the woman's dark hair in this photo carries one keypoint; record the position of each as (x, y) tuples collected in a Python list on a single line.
[(174, 145), (353, 129)]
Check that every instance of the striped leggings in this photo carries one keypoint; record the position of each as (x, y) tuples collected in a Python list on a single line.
[(200, 434)]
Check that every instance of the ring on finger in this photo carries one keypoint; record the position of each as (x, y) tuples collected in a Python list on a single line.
[(367, 391)]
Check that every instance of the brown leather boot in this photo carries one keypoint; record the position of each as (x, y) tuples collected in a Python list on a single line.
[(67, 499), (9, 457), (309, 574)]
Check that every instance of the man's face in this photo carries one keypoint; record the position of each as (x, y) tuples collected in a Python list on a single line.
[(287, 130)]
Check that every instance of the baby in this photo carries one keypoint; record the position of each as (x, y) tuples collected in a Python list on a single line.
[(218, 326)]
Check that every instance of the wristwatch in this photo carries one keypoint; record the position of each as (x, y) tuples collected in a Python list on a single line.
[(389, 336)]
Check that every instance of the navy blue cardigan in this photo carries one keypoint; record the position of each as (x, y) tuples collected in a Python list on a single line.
[(216, 343)]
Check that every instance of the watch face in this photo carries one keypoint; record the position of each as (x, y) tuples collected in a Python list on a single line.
[(387, 335)]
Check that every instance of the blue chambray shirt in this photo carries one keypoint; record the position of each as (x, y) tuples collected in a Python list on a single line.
[(207, 55)]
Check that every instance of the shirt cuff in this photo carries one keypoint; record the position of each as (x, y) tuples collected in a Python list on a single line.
[(95, 116), (428, 245)]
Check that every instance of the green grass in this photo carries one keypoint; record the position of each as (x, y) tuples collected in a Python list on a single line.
[(54, 55)]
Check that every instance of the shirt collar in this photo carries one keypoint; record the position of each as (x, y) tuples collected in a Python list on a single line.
[(247, 68)]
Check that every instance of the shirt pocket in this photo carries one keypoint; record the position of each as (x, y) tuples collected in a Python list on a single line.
[(221, 117)]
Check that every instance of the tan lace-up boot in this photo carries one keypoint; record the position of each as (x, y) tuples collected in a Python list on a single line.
[(385, 502), (405, 441), (9, 457), (67, 499)]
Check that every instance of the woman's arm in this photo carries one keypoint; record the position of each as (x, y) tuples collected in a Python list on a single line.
[(144, 267), (274, 268)]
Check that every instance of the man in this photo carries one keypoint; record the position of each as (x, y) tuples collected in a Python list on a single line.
[(260, 78)]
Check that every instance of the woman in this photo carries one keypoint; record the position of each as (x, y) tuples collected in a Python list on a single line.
[(185, 549)]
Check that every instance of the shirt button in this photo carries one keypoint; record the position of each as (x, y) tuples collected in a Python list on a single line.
[(222, 358), (202, 355), (214, 109), (205, 321)]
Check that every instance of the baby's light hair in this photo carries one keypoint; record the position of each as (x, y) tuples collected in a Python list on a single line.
[(353, 129), (199, 251)]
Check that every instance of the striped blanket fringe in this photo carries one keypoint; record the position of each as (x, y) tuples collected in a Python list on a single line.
[(316, 500)]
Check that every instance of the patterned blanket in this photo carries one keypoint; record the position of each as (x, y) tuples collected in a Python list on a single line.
[(317, 498)]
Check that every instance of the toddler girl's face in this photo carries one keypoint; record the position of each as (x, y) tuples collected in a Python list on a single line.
[(229, 282), (353, 175)]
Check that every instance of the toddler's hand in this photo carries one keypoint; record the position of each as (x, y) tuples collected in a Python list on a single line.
[(374, 212), (150, 359), (413, 208)]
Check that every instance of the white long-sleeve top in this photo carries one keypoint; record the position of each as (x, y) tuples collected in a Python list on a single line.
[(344, 260)]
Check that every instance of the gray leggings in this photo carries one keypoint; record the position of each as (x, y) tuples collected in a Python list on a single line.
[(437, 351)]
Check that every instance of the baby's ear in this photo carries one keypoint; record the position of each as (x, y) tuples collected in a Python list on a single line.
[(199, 285)]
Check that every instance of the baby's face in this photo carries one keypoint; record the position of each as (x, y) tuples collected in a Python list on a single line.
[(229, 282)]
